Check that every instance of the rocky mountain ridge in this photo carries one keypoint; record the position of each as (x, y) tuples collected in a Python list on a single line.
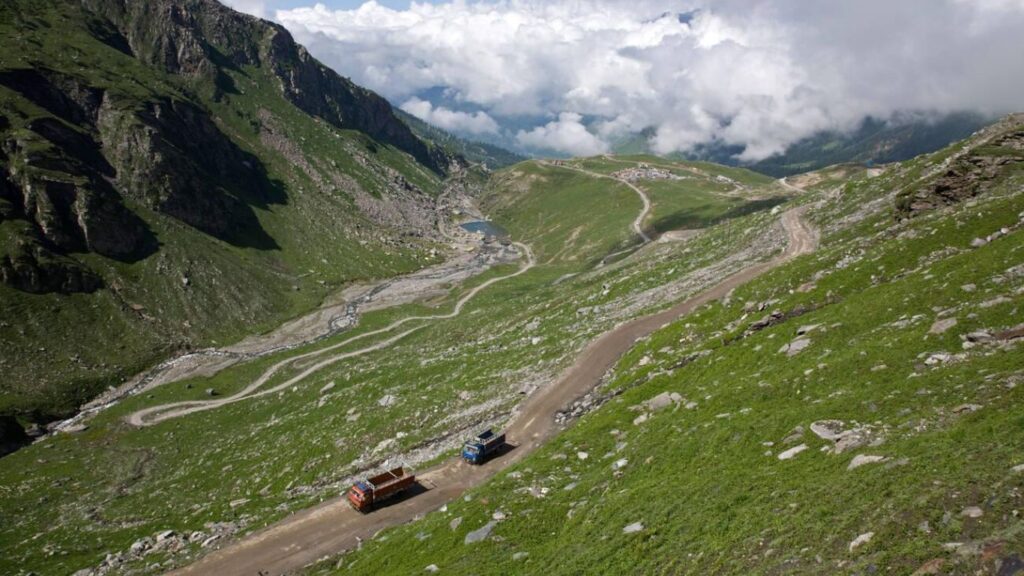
[(173, 172)]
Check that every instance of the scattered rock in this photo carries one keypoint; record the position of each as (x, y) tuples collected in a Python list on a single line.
[(480, 533), (640, 419), (165, 535), (806, 287), (792, 452), (387, 401), (994, 302), (805, 329), (662, 401), (620, 464), (582, 455), (828, 429), (795, 347), (454, 524), (1018, 468), (972, 512), (861, 540), (794, 436), (966, 408), (327, 387), (632, 528), (969, 287), (862, 459), (941, 326), (141, 546), (979, 336), (431, 568), (850, 440), (211, 392), (520, 555)]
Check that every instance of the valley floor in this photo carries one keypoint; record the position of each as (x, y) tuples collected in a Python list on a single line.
[(334, 526)]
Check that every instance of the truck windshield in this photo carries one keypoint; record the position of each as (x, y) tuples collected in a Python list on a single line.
[(472, 449)]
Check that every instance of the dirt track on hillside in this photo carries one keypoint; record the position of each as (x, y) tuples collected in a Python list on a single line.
[(333, 526), (156, 414), (638, 223)]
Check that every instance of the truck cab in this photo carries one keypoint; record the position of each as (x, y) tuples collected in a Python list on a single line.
[(473, 452), (360, 496), (487, 443), (364, 495)]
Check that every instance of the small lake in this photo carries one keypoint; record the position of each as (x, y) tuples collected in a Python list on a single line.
[(484, 227)]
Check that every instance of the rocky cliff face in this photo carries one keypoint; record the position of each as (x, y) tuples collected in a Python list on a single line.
[(190, 175), (199, 38), (72, 175), (989, 157)]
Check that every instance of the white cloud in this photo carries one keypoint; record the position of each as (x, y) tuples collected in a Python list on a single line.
[(464, 122), (566, 135), (756, 73)]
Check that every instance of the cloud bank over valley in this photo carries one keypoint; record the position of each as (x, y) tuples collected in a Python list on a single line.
[(574, 77)]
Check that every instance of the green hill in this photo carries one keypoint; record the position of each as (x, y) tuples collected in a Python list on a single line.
[(854, 411), (174, 174), (226, 472)]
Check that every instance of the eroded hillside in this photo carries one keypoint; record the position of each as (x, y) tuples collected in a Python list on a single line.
[(175, 174)]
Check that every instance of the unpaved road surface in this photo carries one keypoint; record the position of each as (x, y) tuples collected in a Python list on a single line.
[(333, 526), (340, 312), (638, 224), (156, 414), (785, 184)]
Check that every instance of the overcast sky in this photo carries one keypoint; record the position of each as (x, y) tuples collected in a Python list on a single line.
[(760, 74)]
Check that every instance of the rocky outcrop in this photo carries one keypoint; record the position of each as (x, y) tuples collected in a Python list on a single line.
[(199, 39), (171, 157), (969, 174), (67, 176), (55, 195)]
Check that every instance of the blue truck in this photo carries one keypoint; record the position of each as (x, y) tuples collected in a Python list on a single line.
[(477, 450)]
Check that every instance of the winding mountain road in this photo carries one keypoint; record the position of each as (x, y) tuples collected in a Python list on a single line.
[(638, 223), (156, 414), (333, 526)]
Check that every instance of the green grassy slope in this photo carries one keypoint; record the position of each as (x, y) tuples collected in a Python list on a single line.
[(701, 482), (197, 289), (255, 461)]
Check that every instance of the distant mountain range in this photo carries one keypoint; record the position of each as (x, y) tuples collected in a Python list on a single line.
[(875, 141), (487, 155)]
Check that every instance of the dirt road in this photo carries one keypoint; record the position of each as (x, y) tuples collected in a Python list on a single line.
[(791, 187), (333, 526), (156, 414), (638, 223)]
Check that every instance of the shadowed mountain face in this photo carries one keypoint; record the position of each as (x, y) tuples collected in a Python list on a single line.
[(66, 174)]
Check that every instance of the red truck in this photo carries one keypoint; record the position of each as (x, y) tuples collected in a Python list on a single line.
[(363, 495)]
